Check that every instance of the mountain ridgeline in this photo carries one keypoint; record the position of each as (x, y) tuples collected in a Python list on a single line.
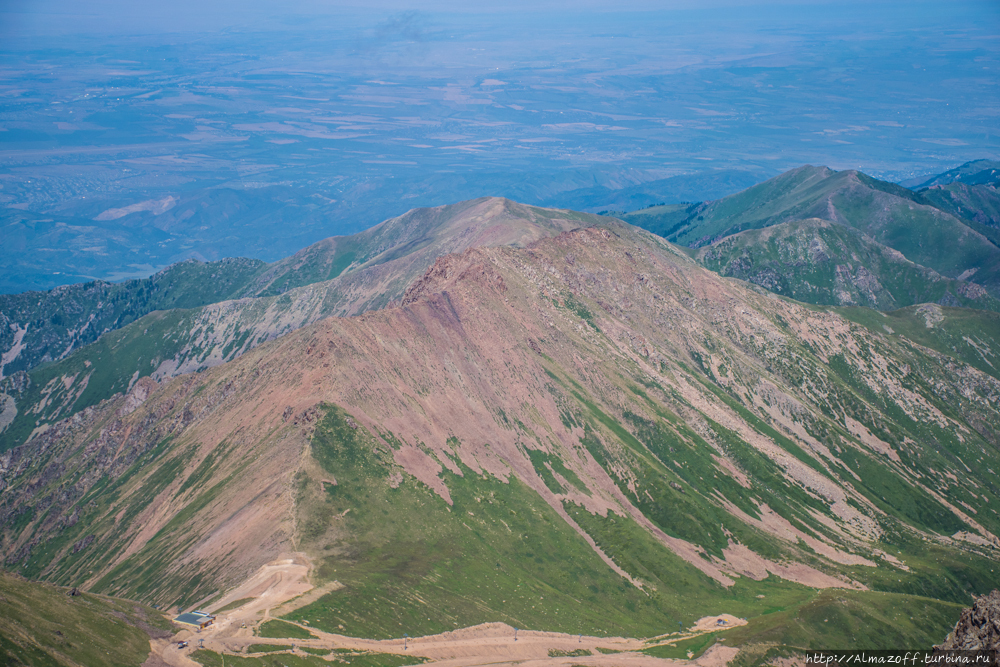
[(496, 412), (943, 236), (337, 277)]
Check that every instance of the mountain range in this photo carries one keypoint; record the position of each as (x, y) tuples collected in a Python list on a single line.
[(876, 222), (491, 412)]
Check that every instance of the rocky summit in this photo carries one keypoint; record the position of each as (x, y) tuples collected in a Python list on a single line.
[(979, 627)]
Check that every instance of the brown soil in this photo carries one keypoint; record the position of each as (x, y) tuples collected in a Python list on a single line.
[(486, 644), (282, 584)]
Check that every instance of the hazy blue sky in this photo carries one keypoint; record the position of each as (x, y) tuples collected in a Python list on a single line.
[(40, 17)]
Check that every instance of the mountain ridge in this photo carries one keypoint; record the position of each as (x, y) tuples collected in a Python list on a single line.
[(748, 445), (373, 269), (889, 214), (822, 262)]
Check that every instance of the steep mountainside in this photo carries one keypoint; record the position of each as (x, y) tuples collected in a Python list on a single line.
[(36, 327), (887, 213), (822, 262), (979, 627), (591, 434), (45, 625), (977, 203), (370, 270)]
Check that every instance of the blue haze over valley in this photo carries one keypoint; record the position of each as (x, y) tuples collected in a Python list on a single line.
[(135, 137)]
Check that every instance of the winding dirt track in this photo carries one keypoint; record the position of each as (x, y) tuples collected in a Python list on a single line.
[(283, 583)]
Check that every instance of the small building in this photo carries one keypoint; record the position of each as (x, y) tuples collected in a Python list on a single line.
[(198, 619)]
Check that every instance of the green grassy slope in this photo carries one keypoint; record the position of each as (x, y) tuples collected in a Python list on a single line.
[(972, 337), (41, 625), (70, 317), (98, 371), (845, 619), (792, 195), (819, 262), (978, 203), (889, 214)]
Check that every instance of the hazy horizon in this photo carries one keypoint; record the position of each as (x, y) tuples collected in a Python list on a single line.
[(367, 111)]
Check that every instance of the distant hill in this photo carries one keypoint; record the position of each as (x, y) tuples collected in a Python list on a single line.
[(673, 190), (37, 327), (977, 172), (822, 262), (888, 214), (976, 203)]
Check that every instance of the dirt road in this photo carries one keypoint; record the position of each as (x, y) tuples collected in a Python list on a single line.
[(283, 584)]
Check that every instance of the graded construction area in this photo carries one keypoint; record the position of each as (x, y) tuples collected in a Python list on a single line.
[(250, 630)]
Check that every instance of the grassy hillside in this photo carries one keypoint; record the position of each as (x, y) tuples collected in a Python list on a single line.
[(977, 203), (969, 336), (825, 263), (37, 327), (889, 214), (42, 625)]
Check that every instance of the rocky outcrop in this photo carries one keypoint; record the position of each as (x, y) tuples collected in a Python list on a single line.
[(979, 627)]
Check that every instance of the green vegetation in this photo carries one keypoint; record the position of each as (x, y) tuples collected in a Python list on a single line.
[(828, 619), (44, 625), (825, 263), (675, 586), (684, 648), (76, 315), (416, 565), (405, 573), (888, 214), (851, 619), (578, 309), (267, 648), (545, 465), (280, 629), (575, 653), (97, 372), (724, 437), (288, 659), (235, 604), (970, 336), (971, 203)]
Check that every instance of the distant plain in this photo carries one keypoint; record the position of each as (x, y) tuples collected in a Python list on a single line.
[(262, 133)]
